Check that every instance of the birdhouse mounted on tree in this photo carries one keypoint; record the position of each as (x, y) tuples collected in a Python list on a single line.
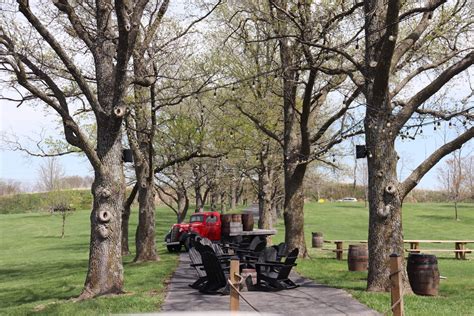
[(127, 155), (361, 151)]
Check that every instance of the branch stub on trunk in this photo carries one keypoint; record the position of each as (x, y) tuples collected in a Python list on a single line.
[(105, 216)]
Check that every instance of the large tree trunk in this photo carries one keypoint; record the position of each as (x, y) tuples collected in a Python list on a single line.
[(105, 274), (385, 219), (145, 236), (143, 148), (293, 213), (385, 200), (292, 144)]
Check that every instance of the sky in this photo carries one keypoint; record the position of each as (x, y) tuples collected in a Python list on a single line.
[(28, 122)]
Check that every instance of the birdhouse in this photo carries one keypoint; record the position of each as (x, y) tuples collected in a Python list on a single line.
[(361, 151), (127, 155)]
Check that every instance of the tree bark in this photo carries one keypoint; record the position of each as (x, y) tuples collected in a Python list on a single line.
[(145, 234), (265, 193), (385, 216), (183, 204), (385, 198), (127, 208), (105, 274), (293, 212)]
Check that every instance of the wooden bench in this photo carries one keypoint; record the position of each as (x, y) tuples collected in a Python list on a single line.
[(460, 248)]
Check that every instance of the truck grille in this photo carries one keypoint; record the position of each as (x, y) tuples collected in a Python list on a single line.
[(174, 234)]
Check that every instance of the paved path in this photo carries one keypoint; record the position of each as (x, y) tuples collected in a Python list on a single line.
[(308, 299)]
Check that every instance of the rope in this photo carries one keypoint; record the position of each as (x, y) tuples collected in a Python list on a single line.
[(240, 295), (388, 312), (393, 273)]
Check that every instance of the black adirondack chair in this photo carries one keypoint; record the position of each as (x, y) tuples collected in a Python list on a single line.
[(216, 279), (254, 250), (269, 254), (281, 250), (196, 262), (275, 275)]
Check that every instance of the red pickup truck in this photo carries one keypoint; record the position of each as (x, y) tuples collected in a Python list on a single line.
[(204, 224), (209, 225)]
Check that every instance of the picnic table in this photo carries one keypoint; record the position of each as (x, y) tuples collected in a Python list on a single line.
[(340, 246), (460, 248)]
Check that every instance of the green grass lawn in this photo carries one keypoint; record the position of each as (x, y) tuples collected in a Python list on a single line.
[(40, 272), (420, 221)]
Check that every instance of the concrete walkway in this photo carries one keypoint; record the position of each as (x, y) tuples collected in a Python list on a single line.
[(308, 299)]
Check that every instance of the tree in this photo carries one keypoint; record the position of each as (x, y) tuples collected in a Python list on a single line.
[(50, 175), (281, 37), (454, 179), (397, 53), (9, 187), (107, 33)]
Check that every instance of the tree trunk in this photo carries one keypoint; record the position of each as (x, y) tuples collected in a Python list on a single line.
[(143, 154), (105, 274), (385, 200), (265, 192), (214, 199), (183, 204), (125, 220), (127, 208), (456, 209), (293, 213), (233, 194), (145, 235), (199, 201), (385, 217)]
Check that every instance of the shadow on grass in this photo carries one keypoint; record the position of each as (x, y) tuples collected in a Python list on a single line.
[(41, 281), (438, 217)]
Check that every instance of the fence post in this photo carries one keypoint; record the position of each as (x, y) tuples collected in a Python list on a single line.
[(234, 294), (396, 284), (339, 250)]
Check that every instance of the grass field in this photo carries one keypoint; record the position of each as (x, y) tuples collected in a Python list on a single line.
[(40, 272), (420, 221)]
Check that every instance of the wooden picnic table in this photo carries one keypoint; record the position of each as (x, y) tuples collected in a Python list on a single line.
[(340, 246), (460, 248)]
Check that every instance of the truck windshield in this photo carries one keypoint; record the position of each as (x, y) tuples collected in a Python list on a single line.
[(196, 218)]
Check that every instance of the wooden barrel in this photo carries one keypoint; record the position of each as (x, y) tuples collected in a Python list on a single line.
[(423, 274), (317, 239), (237, 218), (247, 222), (358, 258), (226, 219)]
